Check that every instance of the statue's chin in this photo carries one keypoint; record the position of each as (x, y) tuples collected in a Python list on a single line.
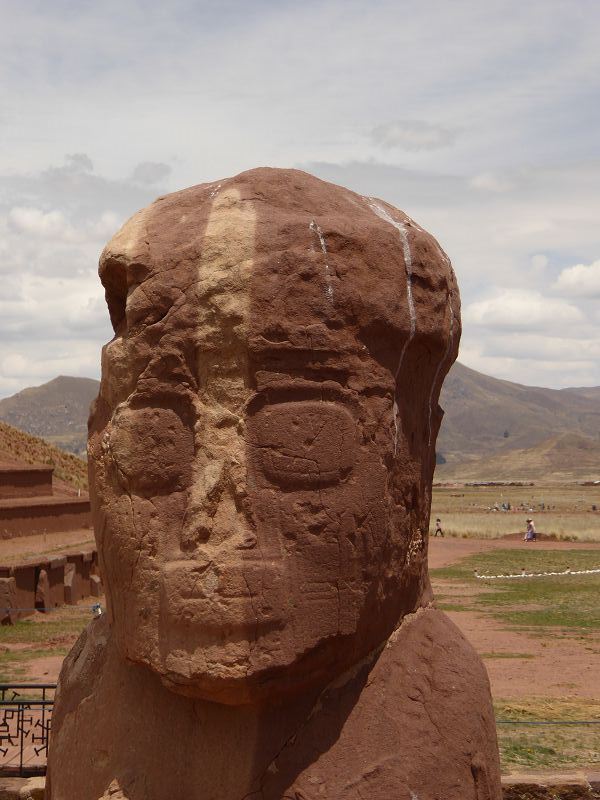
[(235, 681)]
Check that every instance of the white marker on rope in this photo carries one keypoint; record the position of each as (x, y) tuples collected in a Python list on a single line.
[(524, 574)]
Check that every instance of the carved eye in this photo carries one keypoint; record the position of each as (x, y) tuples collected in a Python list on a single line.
[(304, 444), (153, 449)]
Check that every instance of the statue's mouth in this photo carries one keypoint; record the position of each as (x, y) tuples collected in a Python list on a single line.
[(220, 595)]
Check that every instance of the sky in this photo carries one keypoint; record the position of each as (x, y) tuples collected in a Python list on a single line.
[(480, 120)]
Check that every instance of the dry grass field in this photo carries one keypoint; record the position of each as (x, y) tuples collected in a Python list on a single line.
[(564, 512)]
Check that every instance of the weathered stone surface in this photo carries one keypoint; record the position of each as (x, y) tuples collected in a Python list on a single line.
[(43, 600), (9, 613), (56, 576), (412, 717), (72, 592), (261, 456), (96, 586), (22, 788)]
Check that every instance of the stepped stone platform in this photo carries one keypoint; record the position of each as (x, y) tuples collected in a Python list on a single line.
[(25, 480), (33, 515), (30, 505)]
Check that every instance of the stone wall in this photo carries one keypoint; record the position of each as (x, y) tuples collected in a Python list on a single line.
[(25, 481), (29, 516), (46, 583)]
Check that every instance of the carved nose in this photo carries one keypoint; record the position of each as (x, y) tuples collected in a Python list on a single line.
[(217, 511)]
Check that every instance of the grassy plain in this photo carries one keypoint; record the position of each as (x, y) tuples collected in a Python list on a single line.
[(546, 610), (43, 636), (554, 745), (569, 603), (560, 511)]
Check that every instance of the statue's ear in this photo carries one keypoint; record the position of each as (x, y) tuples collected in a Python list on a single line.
[(113, 274)]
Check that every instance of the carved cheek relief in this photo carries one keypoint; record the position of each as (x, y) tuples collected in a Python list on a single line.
[(152, 450)]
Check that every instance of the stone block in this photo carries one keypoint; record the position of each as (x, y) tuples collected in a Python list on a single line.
[(56, 577), (25, 580), (96, 589), (72, 584), (42, 592), (8, 601)]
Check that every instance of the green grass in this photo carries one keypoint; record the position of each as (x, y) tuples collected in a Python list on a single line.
[(506, 655), (568, 602), (453, 607), (43, 635), (27, 631), (552, 746)]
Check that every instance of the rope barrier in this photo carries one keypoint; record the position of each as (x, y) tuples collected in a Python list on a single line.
[(96, 609), (524, 574), (548, 722)]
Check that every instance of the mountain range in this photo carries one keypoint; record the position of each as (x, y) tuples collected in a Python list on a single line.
[(492, 429), (496, 429), (57, 411)]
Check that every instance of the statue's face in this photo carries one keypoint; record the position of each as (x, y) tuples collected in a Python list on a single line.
[(260, 465)]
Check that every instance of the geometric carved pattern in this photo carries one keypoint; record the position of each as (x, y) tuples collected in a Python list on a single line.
[(25, 716)]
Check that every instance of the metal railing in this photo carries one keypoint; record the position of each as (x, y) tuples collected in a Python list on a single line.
[(26, 714), (25, 717)]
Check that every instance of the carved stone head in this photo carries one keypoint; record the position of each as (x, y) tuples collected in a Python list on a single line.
[(262, 447)]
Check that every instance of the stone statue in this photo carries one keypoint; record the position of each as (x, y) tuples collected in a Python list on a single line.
[(261, 455)]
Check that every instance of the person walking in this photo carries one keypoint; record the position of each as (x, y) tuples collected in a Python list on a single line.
[(438, 527), (530, 534)]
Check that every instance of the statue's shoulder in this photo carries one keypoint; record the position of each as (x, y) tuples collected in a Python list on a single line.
[(82, 667), (415, 722)]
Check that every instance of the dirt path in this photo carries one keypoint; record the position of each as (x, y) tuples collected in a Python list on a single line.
[(520, 665), (554, 667)]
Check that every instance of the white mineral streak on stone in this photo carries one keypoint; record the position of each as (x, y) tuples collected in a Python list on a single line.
[(410, 221), (329, 288), (440, 365), (383, 214)]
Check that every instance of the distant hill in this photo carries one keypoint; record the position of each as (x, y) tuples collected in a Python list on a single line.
[(486, 417), (561, 458), (57, 411), (18, 447), (492, 429)]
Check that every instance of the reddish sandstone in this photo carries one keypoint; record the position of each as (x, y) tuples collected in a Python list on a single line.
[(261, 456)]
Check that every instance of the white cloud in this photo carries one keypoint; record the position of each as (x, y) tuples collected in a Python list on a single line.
[(46, 225), (149, 172), (413, 134), (14, 365), (539, 262), (518, 309), (580, 280), (523, 357), (491, 182), (53, 317)]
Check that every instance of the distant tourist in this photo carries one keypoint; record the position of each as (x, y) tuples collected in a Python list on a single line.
[(530, 535), (438, 527)]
